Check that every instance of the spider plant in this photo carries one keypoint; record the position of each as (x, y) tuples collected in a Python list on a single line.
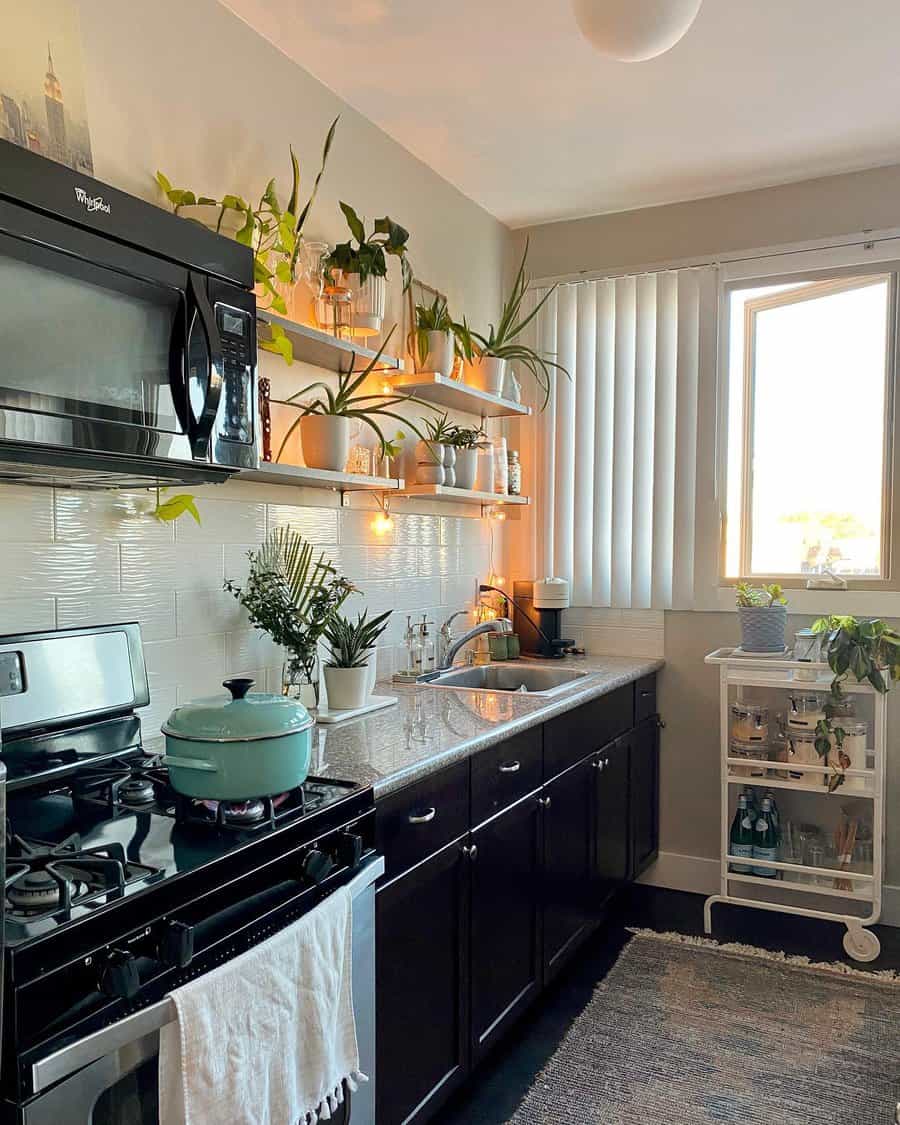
[(440, 430), (345, 402), (350, 642), (501, 339)]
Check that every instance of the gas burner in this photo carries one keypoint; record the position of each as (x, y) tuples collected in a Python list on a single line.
[(239, 812), (45, 879), (134, 784), (137, 791)]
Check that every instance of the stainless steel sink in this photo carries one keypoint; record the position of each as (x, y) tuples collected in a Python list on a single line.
[(509, 677)]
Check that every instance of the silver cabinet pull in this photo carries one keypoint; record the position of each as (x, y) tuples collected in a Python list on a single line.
[(598, 765), (422, 818), (544, 802), (647, 694), (471, 852), (511, 767)]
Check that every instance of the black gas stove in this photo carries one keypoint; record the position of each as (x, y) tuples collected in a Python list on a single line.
[(119, 889)]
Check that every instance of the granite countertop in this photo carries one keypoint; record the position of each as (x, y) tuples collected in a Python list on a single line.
[(432, 727)]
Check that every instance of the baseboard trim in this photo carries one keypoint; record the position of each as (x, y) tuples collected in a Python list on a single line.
[(701, 876)]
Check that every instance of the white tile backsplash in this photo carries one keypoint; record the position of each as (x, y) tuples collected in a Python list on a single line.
[(71, 558)]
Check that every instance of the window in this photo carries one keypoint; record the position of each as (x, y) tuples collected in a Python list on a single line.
[(810, 428)]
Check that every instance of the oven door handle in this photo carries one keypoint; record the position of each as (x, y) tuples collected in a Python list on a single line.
[(68, 1059), (202, 426)]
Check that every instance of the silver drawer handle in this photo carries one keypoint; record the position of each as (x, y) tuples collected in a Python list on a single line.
[(647, 694), (598, 765), (422, 818), (511, 767)]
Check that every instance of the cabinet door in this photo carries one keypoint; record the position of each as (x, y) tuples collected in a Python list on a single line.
[(422, 966), (611, 820), (506, 919), (644, 796), (568, 863)]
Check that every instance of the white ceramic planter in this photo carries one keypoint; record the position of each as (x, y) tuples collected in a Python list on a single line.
[(466, 467), (346, 687), (368, 304), (430, 474), (450, 465), (372, 669), (440, 353), (487, 373), (429, 453), (326, 441)]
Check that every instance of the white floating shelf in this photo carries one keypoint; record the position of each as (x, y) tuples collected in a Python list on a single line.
[(430, 386), (445, 493), (270, 472), (312, 345)]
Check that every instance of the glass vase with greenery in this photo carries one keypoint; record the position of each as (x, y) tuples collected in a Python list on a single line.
[(293, 596), (367, 255)]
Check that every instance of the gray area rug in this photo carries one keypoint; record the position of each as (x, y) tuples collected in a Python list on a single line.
[(685, 1032)]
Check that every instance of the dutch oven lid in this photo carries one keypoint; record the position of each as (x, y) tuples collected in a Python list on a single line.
[(243, 718)]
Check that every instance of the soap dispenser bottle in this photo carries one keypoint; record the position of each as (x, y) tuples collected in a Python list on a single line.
[(428, 650)]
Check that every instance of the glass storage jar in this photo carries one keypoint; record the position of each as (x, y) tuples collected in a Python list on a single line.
[(802, 752), (749, 722), (807, 711), (852, 754), (741, 748)]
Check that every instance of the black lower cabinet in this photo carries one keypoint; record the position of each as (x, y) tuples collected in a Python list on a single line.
[(506, 919), (644, 790), (422, 966), (612, 846), (568, 862)]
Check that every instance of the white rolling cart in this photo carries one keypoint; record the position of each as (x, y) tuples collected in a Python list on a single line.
[(799, 888)]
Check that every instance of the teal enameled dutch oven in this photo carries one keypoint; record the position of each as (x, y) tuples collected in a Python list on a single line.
[(252, 745)]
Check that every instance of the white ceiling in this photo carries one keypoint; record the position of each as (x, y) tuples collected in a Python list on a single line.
[(509, 103)]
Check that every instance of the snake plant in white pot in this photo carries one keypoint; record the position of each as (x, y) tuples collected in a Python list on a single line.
[(351, 647)]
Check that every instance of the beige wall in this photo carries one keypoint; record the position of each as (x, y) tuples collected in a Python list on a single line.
[(704, 228)]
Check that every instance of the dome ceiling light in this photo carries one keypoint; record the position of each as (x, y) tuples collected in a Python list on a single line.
[(634, 30)]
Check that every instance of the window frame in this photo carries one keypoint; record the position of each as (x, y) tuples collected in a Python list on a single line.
[(840, 279)]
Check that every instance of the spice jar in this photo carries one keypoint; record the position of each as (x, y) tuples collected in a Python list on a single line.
[(515, 472)]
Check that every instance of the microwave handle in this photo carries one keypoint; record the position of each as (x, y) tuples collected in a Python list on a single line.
[(178, 365), (201, 428)]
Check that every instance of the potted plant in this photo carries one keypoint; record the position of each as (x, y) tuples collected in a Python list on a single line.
[(487, 356), (763, 615), (292, 597), (868, 650), (467, 443), (438, 448), (363, 267), (351, 646), (434, 338), (275, 234), (325, 419)]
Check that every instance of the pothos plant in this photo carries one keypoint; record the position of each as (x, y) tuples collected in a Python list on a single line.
[(273, 232), (367, 255), (173, 507), (869, 651)]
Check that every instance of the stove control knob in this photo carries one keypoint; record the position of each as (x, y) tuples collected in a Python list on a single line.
[(349, 849), (317, 865), (118, 977), (175, 948)]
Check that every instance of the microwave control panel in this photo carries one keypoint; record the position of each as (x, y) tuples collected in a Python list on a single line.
[(236, 416)]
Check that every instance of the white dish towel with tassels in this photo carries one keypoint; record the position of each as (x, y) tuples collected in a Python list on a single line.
[(269, 1037)]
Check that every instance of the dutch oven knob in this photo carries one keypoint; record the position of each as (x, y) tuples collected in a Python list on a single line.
[(238, 686)]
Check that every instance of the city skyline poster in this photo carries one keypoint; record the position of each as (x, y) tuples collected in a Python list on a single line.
[(43, 106)]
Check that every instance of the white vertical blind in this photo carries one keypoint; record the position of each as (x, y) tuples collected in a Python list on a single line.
[(617, 447)]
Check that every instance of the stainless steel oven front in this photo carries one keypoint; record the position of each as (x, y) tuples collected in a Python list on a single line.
[(111, 1077)]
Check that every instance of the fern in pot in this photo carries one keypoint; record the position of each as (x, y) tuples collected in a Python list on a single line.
[(350, 668), (763, 615), (467, 443)]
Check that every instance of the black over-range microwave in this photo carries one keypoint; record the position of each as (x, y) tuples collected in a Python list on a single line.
[(127, 336)]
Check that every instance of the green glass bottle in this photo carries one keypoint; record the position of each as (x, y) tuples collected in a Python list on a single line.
[(765, 841), (740, 840)]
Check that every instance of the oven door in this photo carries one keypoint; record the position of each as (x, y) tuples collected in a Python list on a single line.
[(112, 1077), (106, 350)]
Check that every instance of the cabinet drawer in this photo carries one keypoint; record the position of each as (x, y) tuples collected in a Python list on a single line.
[(504, 773), (416, 821), (644, 698), (577, 733)]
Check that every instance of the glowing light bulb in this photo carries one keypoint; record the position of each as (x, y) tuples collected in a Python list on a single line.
[(382, 524)]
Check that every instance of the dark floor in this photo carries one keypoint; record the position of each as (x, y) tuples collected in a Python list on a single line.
[(498, 1086)]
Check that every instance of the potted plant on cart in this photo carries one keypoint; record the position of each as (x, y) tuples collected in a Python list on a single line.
[(763, 615), (362, 262), (349, 669), (293, 597)]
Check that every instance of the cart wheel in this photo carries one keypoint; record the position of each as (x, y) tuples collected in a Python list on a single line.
[(861, 945)]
